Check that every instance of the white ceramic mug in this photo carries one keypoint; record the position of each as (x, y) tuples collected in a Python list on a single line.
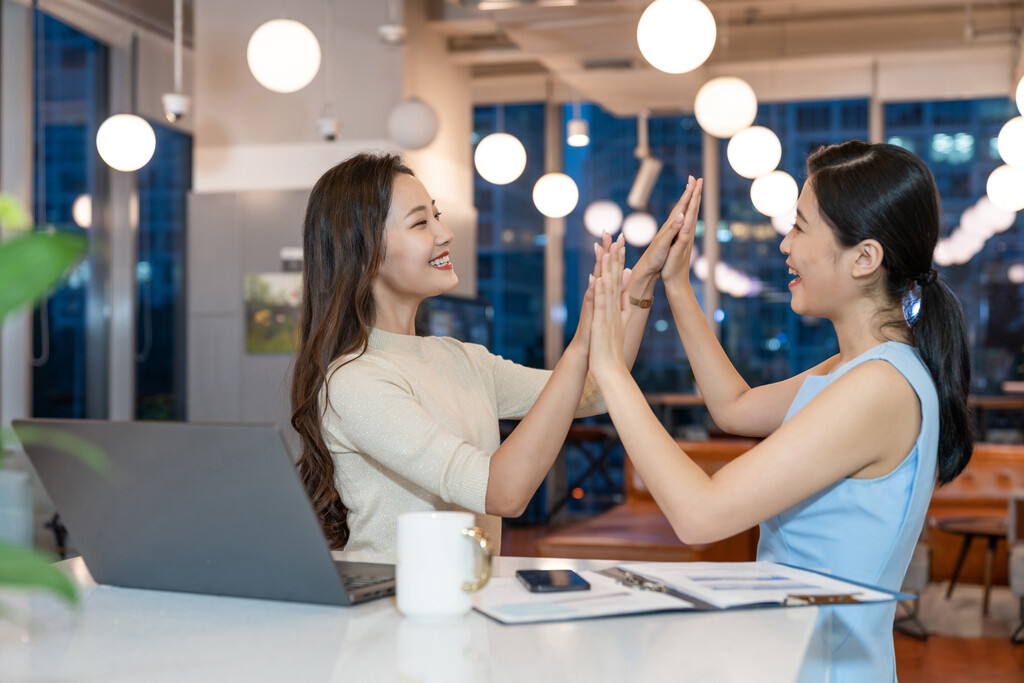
[(434, 570)]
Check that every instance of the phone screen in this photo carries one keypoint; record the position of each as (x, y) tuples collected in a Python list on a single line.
[(551, 580)]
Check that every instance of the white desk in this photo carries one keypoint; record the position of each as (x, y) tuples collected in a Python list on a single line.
[(123, 634)]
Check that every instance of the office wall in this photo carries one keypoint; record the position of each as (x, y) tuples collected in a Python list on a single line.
[(258, 153)]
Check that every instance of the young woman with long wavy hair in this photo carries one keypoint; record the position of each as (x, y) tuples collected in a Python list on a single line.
[(391, 422)]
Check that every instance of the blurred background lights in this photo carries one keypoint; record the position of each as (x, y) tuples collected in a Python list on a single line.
[(774, 194), (81, 211), (724, 106), (413, 123), (601, 217), (676, 36), (283, 55), (500, 158), (126, 142), (1011, 142), (783, 223), (1015, 273), (555, 195), (754, 151), (1005, 187), (639, 228)]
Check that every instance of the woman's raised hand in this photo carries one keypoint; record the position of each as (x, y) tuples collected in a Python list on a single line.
[(611, 312), (676, 266), (654, 257), (606, 246)]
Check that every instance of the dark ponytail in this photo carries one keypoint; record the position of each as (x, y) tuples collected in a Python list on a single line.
[(886, 193)]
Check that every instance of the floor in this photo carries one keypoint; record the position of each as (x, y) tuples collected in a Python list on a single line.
[(963, 647)]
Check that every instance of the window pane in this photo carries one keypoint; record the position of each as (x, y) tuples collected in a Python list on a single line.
[(68, 65), (163, 186)]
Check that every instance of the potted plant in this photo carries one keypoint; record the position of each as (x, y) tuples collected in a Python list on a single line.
[(31, 263)]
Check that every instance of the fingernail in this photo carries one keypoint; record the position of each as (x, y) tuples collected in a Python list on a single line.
[(691, 179), (591, 282), (679, 219)]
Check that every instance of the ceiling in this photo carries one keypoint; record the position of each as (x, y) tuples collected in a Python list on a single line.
[(586, 49)]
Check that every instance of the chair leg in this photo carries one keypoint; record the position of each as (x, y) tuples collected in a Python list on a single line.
[(1018, 636), (901, 625)]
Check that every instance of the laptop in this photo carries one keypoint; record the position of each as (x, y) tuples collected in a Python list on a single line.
[(200, 508)]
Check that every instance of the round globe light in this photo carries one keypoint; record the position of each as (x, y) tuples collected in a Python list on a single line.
[(1020, 95), (997, 219), (639, 228), (784, 222), (754, 151), (555, 195), (724, 106), (601, 217), (774, 194), (81, 211), (500, 158), (676, 36), (283, 55), (126, 142), (413, 124), (1005, 187), (1015, 273), (1011, 142)]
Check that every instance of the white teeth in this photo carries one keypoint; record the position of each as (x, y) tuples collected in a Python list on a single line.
[(442, 261), (793, 272)]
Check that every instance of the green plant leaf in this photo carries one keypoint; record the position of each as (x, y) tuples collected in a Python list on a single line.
[(30, 265), (86, 451), (29, 568), (13, 215)]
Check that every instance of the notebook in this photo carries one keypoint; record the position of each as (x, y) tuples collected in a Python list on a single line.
[(200, 508)]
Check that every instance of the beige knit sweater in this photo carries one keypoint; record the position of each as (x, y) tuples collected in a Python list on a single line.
[(412, 423)]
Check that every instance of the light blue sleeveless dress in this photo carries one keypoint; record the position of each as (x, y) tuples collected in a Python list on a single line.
[(861, 529)]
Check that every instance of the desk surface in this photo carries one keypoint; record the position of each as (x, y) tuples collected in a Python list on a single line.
[(123, 634)]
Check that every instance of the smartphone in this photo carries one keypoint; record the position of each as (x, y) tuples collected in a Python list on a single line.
[(551, 580)]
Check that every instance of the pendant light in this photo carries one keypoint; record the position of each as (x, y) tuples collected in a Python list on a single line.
[(126, 142), (676, 36), (555, 195), (283, 55), (176, 104), (500, 158), (577, 130), (774, 194), (724, 106)]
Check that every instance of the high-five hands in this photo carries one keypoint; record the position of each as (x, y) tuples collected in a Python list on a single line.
[(611, 313), (602, 249), (681, 224)]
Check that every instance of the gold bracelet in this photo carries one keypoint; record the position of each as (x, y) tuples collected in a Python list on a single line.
[(642, 303)]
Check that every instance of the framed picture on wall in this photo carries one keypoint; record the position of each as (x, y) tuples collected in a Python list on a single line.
[(272, 312)]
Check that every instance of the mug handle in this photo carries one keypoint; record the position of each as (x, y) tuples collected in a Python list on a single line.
[(479, 538)]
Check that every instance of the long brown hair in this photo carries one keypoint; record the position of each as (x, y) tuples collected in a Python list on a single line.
[(343, 243)]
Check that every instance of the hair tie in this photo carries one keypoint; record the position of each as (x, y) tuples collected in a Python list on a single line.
[(926, 278)]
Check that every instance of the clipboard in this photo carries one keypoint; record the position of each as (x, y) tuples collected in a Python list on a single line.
[(622, 590)]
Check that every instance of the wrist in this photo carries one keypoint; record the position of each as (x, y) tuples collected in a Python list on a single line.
[(642, 280)]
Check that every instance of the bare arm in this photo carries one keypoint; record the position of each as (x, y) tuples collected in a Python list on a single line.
[(522, 461), (880, 419), (733, 404)]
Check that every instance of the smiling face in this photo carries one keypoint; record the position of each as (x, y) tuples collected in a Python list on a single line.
[(416, 261), (819, 265)]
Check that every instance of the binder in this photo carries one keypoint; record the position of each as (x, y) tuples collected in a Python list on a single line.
[(640, 588)]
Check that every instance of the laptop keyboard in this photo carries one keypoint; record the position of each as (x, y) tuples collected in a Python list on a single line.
[(357, 582)]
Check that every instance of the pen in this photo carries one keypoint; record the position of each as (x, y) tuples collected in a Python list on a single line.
[(837, 599)]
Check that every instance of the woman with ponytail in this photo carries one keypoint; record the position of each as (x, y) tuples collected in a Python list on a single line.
[(391, 422), (853, 447)]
